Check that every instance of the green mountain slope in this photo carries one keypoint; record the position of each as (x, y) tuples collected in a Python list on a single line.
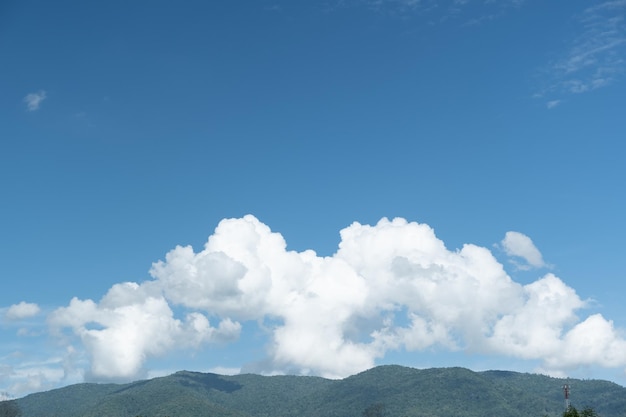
[(384, 391)]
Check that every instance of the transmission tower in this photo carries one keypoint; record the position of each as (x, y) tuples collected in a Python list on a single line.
[(566, 394)]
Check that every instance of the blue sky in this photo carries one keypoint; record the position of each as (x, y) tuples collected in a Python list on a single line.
[(133, 133)]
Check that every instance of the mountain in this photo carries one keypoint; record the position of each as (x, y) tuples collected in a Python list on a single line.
[(384, 391)]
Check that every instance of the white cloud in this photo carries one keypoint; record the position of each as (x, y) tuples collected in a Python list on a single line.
[(23, 310), (519, 245), (390, 286), (595, 58), (592, 341), (534, 328), (553, 103), (26, 375), (222, 370), (33, 100), (35, 378), (130, 324), (463, 12)]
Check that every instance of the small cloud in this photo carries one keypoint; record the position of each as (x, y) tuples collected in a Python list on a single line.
[(519, 245), (553, 103), (23, 332), (221, 370), (33, 100), (22, 310)]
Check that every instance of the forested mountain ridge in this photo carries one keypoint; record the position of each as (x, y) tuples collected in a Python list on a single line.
[(387, 391)]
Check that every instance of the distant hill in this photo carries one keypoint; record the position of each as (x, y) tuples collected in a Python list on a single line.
[(384, 391)]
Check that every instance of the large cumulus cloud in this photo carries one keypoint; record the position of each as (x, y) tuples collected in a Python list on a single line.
[(390, 286), (130, 324)]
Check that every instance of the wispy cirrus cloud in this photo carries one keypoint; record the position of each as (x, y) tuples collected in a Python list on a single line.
[(596, 57), (34, 100), (553, 103), (467, 12)]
